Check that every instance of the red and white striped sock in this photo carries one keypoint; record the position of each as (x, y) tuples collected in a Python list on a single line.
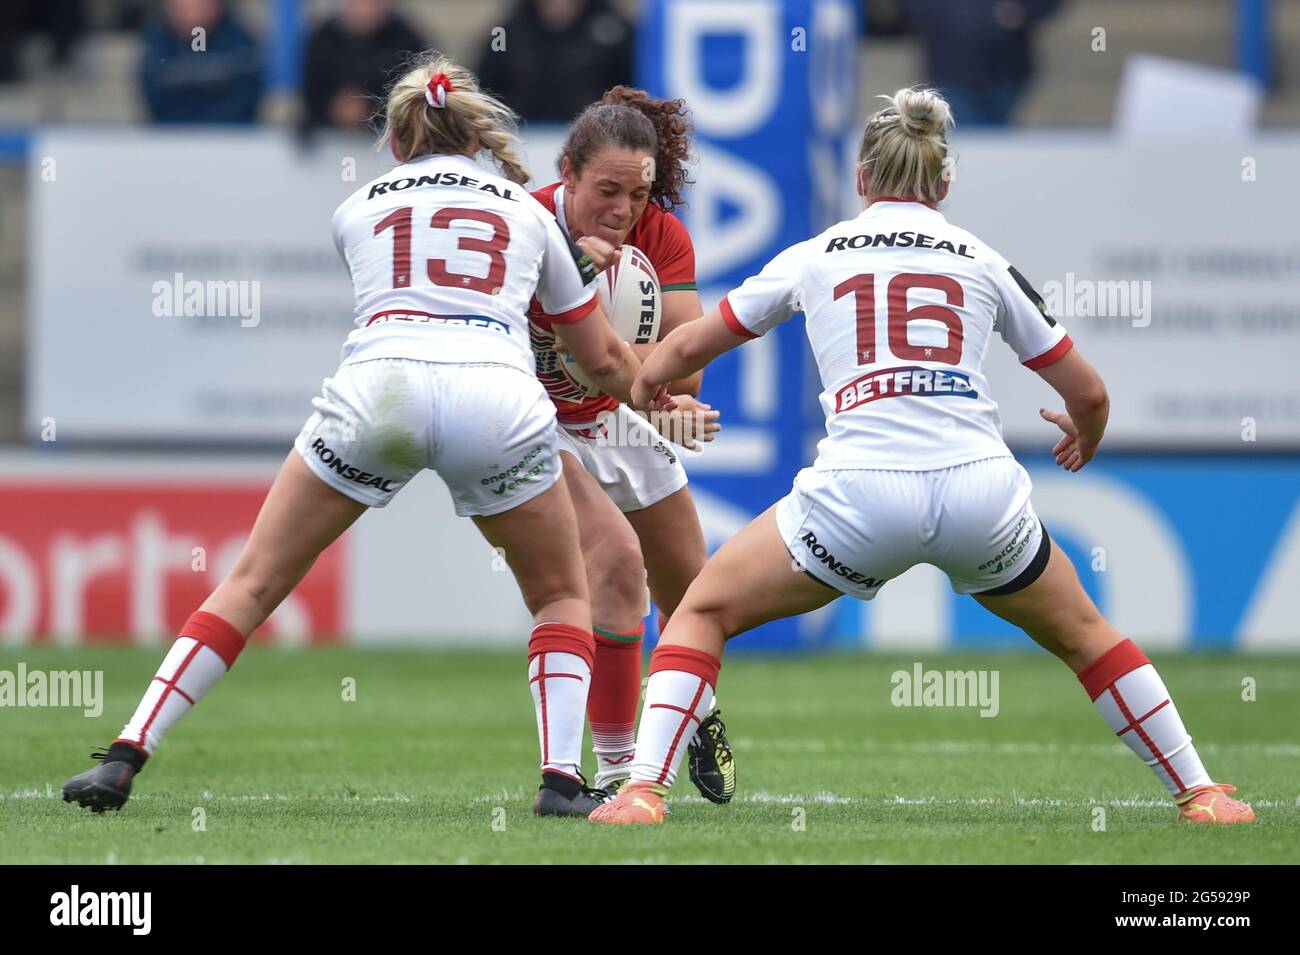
[(1134, 702), (560, 658), (204, 651), (677, 698), (612, 703)]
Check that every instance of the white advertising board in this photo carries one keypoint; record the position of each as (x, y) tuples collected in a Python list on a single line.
[(1176, 270)]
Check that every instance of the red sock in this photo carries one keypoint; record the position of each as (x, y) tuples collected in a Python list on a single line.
[(612, 702)]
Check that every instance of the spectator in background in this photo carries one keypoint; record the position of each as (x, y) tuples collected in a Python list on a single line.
[(63, 21), (212, 77), (351, 58), (980, 53), (556, 56)]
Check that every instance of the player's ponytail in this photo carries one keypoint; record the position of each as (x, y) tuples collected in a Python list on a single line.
[(905, 145), (437, 107), (634, 119)]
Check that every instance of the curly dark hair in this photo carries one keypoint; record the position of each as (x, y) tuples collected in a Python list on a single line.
[(629, 117)]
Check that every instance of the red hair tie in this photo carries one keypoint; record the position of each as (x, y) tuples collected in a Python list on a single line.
[(437, 89)]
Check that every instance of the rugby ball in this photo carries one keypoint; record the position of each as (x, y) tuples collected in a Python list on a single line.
[(629, 293)]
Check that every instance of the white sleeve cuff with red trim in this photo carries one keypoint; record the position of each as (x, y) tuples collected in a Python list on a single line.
[(1053, 354), (577, 313), (733, 323)]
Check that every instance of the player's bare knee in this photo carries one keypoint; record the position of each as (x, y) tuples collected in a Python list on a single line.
[(616, 574), (627, 580)]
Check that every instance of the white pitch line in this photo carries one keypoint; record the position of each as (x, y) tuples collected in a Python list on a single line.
[(764, 798), (761, 798), (210, 797), (1012, 747)]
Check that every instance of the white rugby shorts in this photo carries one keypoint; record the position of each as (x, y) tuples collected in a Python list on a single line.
[(854, 530), (487, 429), (628, 457)]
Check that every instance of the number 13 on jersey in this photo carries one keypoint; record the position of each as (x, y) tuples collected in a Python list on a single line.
[(399, 220)]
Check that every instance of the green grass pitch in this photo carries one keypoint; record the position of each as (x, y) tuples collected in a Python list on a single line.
[(435, 762)]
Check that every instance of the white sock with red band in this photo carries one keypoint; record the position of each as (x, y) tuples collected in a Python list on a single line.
[(1134, 702), (677, 697), (560, 658), (204, 651)]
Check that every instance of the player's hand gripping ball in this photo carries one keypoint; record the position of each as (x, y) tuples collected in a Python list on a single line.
[(629, 293)]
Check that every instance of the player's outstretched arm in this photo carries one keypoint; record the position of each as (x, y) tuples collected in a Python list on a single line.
[(686, 350), (679, 308), (1087, 408), (606, 358)]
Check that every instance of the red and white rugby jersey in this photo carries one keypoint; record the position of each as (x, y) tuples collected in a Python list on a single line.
[(666, 243), (900, 306), (446, 257)]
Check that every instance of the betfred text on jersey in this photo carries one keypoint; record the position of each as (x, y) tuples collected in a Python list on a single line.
[(439, 179), (348, 472), (899, 240), (897, 382), (429, 318)]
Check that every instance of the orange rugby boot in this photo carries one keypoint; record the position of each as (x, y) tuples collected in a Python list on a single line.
[(637, 804), (1212, 804)]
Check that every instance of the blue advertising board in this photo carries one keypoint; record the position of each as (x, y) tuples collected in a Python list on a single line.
[(1179, 552), (772, 91)]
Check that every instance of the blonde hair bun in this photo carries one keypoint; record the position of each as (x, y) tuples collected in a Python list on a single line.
[(905, 145), (922, 112)]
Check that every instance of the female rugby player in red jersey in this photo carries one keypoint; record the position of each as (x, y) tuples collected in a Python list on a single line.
[(622, 172), (445, 256), (901, 306)]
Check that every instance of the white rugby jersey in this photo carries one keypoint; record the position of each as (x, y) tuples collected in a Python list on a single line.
[(445, 256), (900, 306)]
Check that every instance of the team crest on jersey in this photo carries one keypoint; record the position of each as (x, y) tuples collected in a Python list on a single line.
[(897, 382)]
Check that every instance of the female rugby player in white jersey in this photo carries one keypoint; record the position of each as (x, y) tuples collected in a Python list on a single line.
[(445, 257), (900, 308)]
